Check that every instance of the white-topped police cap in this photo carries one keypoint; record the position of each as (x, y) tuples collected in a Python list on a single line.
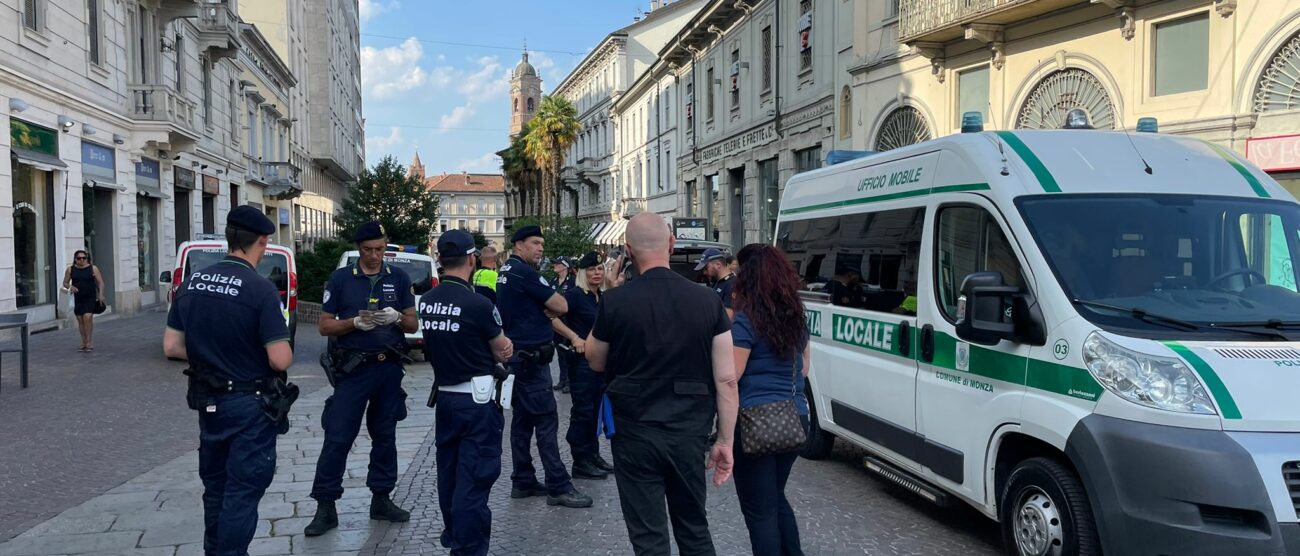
[(456, 243)]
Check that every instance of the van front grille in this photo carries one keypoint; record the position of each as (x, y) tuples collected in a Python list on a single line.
[(1291, 474), (1257, 353)]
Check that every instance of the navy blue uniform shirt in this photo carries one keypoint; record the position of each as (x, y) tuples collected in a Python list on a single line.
[(521, 297), (767, 376), (350, 291), (583, 307), (229, 314), (723, 289), (457, 325)]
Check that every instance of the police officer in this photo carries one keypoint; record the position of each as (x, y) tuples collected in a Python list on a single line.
[(367, 308), (714, 264), (586, 386), (527, 303), (563, 282), (228, 323), (485, 273), (463, 341)]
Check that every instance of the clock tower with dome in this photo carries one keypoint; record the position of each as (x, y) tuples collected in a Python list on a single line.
[(525, 95)]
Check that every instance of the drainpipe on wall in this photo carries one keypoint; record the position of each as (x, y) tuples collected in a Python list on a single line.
[(776, 74)]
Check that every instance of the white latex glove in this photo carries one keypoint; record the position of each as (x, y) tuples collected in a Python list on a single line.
[(362, 324), (387, 316)]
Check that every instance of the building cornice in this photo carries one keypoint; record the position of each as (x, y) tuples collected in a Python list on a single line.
[(262, 53), (608, 48)]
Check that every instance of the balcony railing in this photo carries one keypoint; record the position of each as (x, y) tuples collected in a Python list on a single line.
[(281, 179), (160, 103), (633, 206), (218, 29), (941, 20)]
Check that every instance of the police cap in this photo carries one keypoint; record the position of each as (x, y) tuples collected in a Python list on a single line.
[(710, 254), (248, 218), (456, 243), (589, 260), (368, 231), (562, 261), (526, 232)]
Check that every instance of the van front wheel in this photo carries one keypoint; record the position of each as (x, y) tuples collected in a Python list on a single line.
[(1044, 512), (820, 443)]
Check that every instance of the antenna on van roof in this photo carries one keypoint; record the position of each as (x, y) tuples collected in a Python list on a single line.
[(1005, 171), (1146, 167)]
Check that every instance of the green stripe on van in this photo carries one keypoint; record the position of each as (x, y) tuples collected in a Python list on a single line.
[(891, 197), (1241, 169), (1212, 380), (1036, 166)]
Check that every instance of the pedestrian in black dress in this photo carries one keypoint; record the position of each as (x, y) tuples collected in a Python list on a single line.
[(86, 285)]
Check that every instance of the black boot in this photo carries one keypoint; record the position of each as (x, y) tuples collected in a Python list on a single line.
[(383, 509), (571, 499), (587, 469), (326, 518), (602, 464)]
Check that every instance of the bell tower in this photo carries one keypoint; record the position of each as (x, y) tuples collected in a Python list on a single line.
[(525, 95)]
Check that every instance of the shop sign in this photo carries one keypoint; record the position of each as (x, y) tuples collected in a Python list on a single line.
[(184, 178), (32, 137), (739, 143), (146, 173), (284, 217), (1274, 154), (211, 185), (690, 228), (97, 161)]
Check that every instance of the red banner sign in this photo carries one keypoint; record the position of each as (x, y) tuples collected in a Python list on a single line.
[(1274, 154)]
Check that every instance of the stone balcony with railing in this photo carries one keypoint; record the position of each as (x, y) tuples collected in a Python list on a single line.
[(940, 21), (218, 29), (162, 104), (633, 206), (281, 179)]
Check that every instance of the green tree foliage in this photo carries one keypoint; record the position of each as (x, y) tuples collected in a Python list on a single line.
[(480, 240), (551, 132), (402, 203), (522, 172), (315, 267), (564, 236)]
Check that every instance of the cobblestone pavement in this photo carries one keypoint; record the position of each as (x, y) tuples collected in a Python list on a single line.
[(840, 507)]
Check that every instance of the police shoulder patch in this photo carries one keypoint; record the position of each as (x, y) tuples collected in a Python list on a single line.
[(496, 315), (326, 298), (543, 281)]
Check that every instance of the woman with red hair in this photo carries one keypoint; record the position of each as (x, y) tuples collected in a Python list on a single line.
[(770, 337)]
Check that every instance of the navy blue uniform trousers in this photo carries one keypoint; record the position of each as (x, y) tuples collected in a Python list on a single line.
[(237, 464), (533, 411), (373, 391), (468, 438), (586, 387)]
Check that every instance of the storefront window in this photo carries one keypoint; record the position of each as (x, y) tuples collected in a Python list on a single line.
[(147, 238), (715, 206), (33, 235), (771, 196)]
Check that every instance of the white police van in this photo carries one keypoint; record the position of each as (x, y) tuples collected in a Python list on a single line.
[(1091, 337)]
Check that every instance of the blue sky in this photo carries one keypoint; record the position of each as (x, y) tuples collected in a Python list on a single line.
[(451, 101)]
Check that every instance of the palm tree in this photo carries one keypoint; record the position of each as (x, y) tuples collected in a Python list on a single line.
[(522, 172), (552, 131)]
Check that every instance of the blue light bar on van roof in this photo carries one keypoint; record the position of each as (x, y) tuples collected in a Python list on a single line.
[(836, 157), (972, 122), (1148, 125)]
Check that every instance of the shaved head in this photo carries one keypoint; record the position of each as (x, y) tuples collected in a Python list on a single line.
[(649, 240)]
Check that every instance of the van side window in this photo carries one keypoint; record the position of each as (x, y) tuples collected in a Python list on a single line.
[(866, 261), (969, 241)]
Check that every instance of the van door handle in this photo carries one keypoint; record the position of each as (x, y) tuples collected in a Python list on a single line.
[(927, 343), (905, 339)]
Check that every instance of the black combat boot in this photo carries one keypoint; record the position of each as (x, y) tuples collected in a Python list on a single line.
[(602, 464), (571, 499), (383, 509), (326, 518), (587, 469)]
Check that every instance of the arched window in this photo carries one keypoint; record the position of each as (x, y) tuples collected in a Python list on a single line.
[(530, 105), (902, 127), (846, 113), (1279, 85), (1062, 91), (516, 103)]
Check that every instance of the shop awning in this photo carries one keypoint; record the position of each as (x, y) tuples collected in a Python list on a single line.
[(39, 160), (594, 233), (613, 233)]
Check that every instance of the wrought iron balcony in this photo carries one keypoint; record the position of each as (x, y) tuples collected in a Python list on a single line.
[(633, 206), (160, 103), (218, 29), (940, 21)]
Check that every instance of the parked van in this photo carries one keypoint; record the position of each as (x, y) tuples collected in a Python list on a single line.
[(419, 267), (278, 265), (1091, 337)]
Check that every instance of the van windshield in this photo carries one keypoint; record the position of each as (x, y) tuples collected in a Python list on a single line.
[(420, 271), (274, 266), (1194, 261)]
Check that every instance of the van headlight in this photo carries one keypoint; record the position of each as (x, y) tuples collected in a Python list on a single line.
[(1151, 380)]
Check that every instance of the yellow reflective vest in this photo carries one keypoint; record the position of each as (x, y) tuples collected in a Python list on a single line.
[(485, 277)]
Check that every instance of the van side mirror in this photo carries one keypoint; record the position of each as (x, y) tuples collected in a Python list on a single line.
[(984, 311), (165, 277)]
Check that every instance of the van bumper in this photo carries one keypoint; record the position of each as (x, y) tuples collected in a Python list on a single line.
[(1160, 490)]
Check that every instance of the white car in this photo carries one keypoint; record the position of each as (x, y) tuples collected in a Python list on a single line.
[(278, 265), (420, 268)]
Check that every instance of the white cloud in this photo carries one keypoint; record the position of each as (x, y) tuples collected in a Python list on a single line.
[(388, 72), (458, 116), (489, 163), (370, 8), (490, 80), (393, 139)]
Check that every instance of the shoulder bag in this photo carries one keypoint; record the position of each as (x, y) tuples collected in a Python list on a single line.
[(773, 428)]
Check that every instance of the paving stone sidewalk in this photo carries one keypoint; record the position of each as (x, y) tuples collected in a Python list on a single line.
[(160, 512)]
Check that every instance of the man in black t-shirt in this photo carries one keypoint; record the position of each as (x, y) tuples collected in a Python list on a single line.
[(672, 373)]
